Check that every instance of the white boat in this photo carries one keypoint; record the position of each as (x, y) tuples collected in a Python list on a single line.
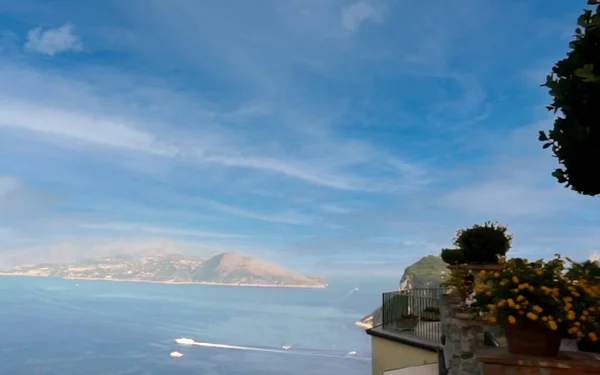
[(286, 347), (176, 354), (351, 353), (184, 341)]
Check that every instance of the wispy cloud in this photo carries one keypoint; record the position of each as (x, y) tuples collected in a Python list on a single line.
[(328, 162), (285, 218), (505, 198), (18, 201), (354, 15), (53, 41), (77, 126), (136, 227), (336, 209), (8, 184)]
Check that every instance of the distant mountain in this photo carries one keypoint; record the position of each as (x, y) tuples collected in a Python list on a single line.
[(226, 269), (427, 272)]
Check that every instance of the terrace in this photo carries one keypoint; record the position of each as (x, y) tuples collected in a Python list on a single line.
[(410, 333), (413, 315)]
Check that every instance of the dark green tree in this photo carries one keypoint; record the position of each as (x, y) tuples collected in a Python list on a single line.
[(574, 85)]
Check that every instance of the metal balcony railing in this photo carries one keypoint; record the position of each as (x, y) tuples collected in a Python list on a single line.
[(414, 312)]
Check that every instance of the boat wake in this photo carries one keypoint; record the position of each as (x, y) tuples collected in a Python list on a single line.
[(190, 342)]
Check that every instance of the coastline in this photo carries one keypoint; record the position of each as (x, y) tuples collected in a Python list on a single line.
[(172, 282), (363, 325)]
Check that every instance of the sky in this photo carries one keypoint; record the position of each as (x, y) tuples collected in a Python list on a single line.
[(330, 136)]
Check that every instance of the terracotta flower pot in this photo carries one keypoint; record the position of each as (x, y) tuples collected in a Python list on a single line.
[(485, 267), (532, 338)]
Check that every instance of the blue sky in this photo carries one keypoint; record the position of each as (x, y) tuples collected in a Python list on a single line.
[(331, 136)]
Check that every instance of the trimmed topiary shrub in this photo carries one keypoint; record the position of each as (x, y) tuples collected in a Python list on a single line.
[(453, 256), (483, 243)]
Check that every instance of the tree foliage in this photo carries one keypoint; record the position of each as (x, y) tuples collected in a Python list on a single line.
[(574, 85), (483, 243)]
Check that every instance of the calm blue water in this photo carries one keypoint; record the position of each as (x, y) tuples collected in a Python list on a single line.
[(55, 326)]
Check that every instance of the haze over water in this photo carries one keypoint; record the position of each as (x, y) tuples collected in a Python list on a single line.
[(55, 326)]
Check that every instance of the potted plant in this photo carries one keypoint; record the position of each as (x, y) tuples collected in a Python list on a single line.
[(431, 314), (590, 272), (538, 305), (407, 322), (483, 245)]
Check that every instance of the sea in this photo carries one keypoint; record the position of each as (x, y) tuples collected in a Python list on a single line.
[(52, 326)]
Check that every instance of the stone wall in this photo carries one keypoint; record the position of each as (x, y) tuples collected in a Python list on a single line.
[(462, 339)]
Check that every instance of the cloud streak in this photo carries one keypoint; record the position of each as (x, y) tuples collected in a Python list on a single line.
[(53, 41), (213, 144), (284, 218), (356, 14), (142, 228)]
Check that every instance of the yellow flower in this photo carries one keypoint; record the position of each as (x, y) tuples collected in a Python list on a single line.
[(501, 303), (496, 274), (524, 286), (532, 316), (491, 307), (511, 303), (592, 336), (492, 319), (552, 325), (511, 319), (583, 317), (544, 318), (515, 279), (537, 309), (503, 282), (488, 293), (520, 298), (539, 272), (531, 289)]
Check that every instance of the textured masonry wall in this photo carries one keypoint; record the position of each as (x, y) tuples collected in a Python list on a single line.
[(462, 339)]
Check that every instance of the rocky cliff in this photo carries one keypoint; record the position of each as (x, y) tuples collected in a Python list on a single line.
[(427, 272)]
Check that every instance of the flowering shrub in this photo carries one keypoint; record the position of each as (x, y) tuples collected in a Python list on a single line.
[(461, 279), (539, 292)]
